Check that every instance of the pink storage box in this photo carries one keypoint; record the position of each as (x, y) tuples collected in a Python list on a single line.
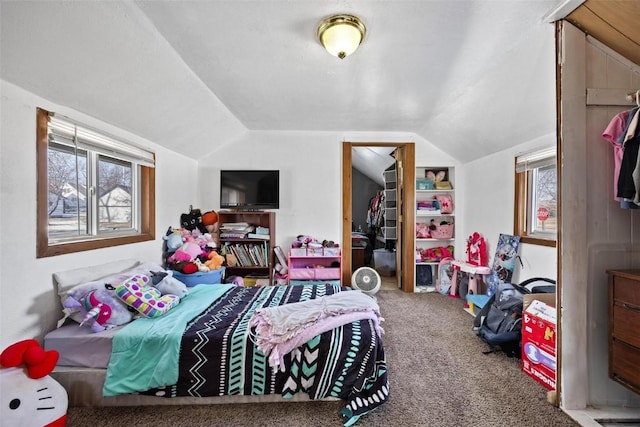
[(298, 252), (327, 273), (302, 273)]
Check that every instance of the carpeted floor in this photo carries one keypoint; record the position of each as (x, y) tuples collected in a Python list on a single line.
[(438, 374)]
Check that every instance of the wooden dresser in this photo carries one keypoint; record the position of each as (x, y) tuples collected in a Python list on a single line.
[(624, 328)]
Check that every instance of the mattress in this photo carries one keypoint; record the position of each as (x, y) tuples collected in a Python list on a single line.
[(79, 346)]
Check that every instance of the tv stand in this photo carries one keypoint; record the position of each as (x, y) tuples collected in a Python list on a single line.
[(259, 219)]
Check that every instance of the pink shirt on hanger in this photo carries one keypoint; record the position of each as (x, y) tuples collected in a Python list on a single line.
[(612, 134)]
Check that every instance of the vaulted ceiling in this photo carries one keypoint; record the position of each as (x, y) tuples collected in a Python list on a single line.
[(471, 77)]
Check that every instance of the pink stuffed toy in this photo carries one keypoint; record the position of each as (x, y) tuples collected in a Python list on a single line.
[(187, 253)]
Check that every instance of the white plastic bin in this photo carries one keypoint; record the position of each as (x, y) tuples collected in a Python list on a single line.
[(384, 259)]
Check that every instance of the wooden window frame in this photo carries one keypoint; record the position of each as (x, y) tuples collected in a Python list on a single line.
[(43, 246), (521, 204)]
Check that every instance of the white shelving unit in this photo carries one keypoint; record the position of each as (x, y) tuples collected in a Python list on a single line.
[(425, 217), (390, 229)]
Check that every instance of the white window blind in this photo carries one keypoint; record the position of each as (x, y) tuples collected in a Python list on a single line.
[(536, 159), (63, 130)]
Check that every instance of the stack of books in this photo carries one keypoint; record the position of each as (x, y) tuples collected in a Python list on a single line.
[(260, 233), (235, 230)]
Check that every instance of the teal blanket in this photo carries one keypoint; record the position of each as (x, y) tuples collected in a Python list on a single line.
[(145, 352)]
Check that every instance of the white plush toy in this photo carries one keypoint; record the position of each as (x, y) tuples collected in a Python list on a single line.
[(168, 285), (28, 395)]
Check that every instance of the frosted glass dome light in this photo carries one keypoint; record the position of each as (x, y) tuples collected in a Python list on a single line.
[(341, 34)]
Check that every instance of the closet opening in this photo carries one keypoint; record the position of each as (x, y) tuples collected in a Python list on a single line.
[(374, 205)]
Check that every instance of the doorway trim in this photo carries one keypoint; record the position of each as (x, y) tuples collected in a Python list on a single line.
[(407, 210)]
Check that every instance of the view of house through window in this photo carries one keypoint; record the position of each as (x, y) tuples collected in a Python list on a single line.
[(97, 188), (115, 202), (536, 203)]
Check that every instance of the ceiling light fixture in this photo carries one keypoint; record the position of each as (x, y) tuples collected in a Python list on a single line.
[(341, 34)]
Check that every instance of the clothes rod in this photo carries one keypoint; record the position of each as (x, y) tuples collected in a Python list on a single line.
[(612, 97)]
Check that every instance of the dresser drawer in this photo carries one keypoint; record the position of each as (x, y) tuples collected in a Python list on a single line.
[(626, 291), (626, 325), (624, 365)]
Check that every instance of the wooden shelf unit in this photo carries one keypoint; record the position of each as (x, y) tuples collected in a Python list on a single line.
[(258, 219)]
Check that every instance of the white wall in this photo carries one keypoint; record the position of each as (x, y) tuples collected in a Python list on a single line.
[(310, 165), (28, 304), (487, 187)]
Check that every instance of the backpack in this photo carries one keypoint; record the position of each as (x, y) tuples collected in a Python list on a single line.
[(499, 322)]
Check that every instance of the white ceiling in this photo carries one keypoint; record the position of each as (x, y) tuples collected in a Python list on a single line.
[(471, 77)]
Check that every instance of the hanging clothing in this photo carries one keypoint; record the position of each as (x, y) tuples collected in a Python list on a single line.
[(375, 213), (612, 133), (630, 143)]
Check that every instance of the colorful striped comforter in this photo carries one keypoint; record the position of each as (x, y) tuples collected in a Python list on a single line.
[(218, 354)]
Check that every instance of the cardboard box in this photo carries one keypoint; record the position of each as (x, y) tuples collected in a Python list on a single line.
[(539, 342), (549, 299)]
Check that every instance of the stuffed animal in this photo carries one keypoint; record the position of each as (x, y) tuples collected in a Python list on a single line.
[(202, 268), (168, 285), (215, 261), (173, 239), (304, 241), (235, 280), (100, 306), (30, 397), (186, 267), (193, 220), (186, 253), (138, 293), (210, 221)]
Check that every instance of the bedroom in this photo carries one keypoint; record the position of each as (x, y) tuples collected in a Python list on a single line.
[(213, 120)]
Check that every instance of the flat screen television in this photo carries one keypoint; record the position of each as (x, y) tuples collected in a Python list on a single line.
[(249, 189)]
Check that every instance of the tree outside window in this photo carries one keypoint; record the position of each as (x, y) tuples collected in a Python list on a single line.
[(536, 203), (94, 191)]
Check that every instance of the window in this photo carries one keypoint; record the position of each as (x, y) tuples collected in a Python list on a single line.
[(94, 190), (536, 203)]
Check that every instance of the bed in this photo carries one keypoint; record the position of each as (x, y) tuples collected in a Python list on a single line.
[(206, 351)]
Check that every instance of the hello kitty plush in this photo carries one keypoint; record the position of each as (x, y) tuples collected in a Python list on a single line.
[(28, 395)]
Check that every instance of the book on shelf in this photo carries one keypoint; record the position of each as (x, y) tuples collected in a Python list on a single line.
[(236, 230), (282, 259), (249, 254), (234, 225), (230, 235), (262, 230), (258, 236), (241, 227)]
